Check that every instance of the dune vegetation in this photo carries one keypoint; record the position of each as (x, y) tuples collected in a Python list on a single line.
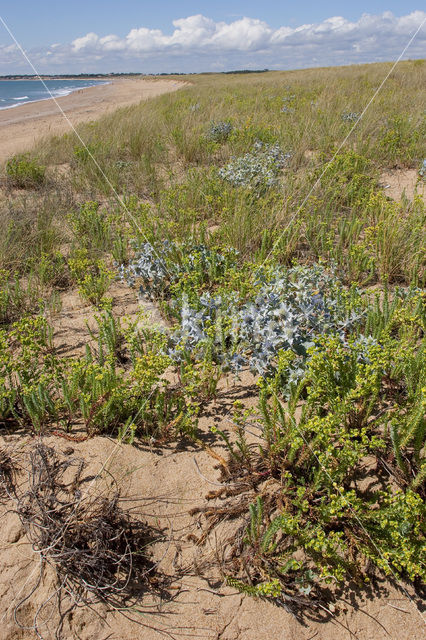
[(251, 210)]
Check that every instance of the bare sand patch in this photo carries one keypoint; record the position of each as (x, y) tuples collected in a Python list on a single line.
[(397, 182), (162, 483), (161, 486)]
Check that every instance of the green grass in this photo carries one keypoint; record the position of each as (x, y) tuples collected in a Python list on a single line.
[(162, 152), (341, 395), (24, 172)]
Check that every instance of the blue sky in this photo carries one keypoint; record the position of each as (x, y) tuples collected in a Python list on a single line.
[(42, 22), (165, 35)]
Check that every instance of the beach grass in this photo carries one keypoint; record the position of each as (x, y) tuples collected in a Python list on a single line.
[(251, 209), (161, 152)]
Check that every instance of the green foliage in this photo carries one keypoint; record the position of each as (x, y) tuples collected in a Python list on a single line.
[(15, 299), (84, 154), (348, 179), (399, 139), (50, 270), (38, 389), (356, 416), (25, 172), (91, 226), (199, 379), (26, 370), (99, 230), (92, 277)]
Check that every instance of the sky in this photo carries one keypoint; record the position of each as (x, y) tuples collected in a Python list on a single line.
[(94, 36)]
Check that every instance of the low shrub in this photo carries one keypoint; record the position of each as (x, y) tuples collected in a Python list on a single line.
[(117, 387), (400, 139), (350, 116), (335, 489), (24, 172), (16, 298), (219, 131), (92, 276), (257, 169)]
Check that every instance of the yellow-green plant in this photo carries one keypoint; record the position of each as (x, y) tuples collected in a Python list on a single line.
[(25, 172), (92, 276)]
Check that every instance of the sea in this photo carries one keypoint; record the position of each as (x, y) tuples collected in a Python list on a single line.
[(16, 92)]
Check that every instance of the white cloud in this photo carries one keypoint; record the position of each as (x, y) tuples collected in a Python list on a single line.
[(198, 43), (194, 31), (89, 41), (243, 35), (8, 49)]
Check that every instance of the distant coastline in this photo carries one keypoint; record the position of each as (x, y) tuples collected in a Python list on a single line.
[(62, 76), (21, 127), (15, 92), (124, 75)]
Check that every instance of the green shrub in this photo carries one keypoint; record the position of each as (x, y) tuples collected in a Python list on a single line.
[(401, 139), (25, 172), (16, 299), (40, 390), (84, 154), (348, 179), (92, 276), (325, 506)]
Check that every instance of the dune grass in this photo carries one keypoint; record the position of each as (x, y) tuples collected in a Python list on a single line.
[(162, 152), (268, 245)]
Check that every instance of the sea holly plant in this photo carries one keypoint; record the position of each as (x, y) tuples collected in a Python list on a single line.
[(267, 319), (149, 268), (258, 169), (289, 311), (288, 101), (281, 309), (219, 131), (311, 519), (350, 116), (168, 271)]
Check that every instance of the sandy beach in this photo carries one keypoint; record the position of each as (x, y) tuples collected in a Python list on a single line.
[(22, 126)]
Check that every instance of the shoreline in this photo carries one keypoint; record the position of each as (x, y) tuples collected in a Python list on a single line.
[(24, 125), (50, 97)]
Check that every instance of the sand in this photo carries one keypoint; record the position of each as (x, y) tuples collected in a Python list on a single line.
[(22, 126), (162, 485), (399, 183)]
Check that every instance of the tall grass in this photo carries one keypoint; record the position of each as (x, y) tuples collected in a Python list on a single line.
[(160, 152), (334, 393)]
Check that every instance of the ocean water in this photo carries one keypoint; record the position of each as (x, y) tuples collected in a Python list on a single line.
[(16, 92)]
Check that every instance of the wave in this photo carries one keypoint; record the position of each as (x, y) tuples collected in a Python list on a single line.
[(10, 106), (46, 95)]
